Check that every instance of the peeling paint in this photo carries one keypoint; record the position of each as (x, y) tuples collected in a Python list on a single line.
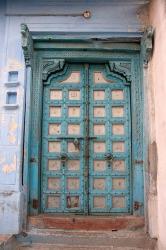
[(12, 128), (143, 16), (13, 125), (12, 139), (2, 159), (9, 168)]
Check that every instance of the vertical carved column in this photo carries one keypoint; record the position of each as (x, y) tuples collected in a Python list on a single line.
[(147, 45), (27, 46)]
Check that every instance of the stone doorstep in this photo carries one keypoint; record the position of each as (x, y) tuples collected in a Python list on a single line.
[(64, 247), (77, 222), (8, 242), (93, 240), (4, 238)]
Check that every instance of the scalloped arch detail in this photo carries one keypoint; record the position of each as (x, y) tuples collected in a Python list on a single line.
[(123, 69), (52, 66)]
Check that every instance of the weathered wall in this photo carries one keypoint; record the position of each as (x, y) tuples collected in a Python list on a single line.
[(116, 17), (157, 79)]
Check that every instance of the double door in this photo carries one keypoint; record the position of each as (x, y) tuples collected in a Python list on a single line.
[(86, 142)]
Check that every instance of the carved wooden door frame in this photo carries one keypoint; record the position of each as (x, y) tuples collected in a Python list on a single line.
[(50, 53)]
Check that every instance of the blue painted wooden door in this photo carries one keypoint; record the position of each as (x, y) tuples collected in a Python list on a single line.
[(86, 142)]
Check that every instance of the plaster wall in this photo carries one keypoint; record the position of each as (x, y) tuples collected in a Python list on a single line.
[(122, 17), (157, 79)]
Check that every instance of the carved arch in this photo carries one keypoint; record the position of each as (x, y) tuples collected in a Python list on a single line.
[(51, 66)]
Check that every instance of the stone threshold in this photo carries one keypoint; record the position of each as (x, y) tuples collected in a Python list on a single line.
[(78, 222)]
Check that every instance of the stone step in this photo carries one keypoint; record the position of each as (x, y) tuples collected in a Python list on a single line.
[(77, 222), (64, 247), (81, 240)]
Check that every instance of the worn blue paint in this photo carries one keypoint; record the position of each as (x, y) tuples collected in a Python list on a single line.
[(107, 26), (117, 83), (134, 179), (64, 120), (86, 104)]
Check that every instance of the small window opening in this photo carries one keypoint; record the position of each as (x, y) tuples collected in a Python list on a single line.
[(11, 98), (13, 76)]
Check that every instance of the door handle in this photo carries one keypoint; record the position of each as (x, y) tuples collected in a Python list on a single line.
[(109, 157), (63, 157)]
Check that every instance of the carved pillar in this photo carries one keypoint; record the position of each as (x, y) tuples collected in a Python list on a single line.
[(147, 45), (27, 46)]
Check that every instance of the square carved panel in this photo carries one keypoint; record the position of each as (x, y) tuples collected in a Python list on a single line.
[(55, 94), (117, 95), (118, 183), (53, 201), (54, 129), (54, 183), (73, 201), (118, 147), (73, 165), (118, 165), (74, 111), (54, 147), (118, 202), (74, 77), (54, 165), (74, 95), (55, 111), (99, 183), (99, 147), (71, 148), (99, 95), (73, 183), (99, 112), (99, 129), (117, 111), (99, 165), (118, 129), (99, 202), (99, 77), (73, 129)]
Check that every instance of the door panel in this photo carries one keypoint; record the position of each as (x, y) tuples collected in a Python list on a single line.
[(86, 142), (62, 161), (109, 162)]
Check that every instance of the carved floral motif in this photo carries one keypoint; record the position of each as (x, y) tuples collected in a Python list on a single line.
[(51, 66), (121, 68), (27, 44)]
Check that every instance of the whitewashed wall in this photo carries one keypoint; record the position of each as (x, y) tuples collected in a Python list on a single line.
[(116, 17), (157, 76)]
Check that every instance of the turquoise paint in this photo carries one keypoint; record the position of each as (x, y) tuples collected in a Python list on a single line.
[(117, 83), (63, 173), (100, 57), (86, 104)]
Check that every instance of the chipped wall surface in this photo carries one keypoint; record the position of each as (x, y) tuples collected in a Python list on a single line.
[(157, 79), (107, 16)]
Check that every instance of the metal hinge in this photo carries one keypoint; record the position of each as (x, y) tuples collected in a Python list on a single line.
[(137, 205), (35, 203), (138, 161), (32, 159)]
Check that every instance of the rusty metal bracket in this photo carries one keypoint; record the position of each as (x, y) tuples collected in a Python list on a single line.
[(137, 205), (35, 203)]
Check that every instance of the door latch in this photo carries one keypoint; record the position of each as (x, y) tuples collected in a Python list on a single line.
[(109, 157), (63, 157), (137, 205), (76, 143)]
